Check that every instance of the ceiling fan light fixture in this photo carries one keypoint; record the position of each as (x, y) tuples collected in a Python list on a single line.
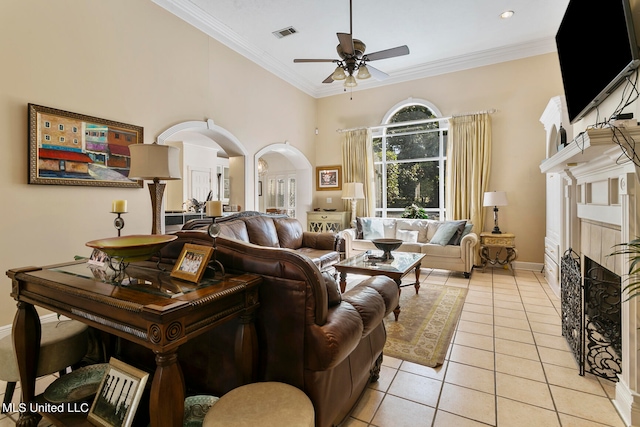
[(507, 14), (339, 74), (363, 72), (350, 81)]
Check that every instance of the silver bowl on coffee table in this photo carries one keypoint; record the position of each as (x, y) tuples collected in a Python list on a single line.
[(386, 246)]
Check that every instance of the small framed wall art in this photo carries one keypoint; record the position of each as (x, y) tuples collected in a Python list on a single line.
[(328, 178), (192, 262), (73, 149), (118, 396)]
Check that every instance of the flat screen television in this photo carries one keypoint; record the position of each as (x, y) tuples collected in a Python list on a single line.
[(597, 49)]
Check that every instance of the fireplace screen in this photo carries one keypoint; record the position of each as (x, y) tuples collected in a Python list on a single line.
[(591, 316), (603, 322), (571, 303)]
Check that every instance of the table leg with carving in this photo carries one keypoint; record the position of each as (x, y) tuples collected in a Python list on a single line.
[(343, 281), (417, 284), (246, 347), (166, 405), (26, 342), (396, 311)]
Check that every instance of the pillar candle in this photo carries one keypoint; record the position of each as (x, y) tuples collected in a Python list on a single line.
[(214, 208), (119, 206)]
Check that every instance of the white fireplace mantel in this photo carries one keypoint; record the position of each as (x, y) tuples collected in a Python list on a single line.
[(601, 208), (592, 145)]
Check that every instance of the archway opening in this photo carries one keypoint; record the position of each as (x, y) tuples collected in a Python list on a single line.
[(287, 167)]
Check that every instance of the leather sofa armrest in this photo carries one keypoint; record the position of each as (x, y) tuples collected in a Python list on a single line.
[(325, 241), (362, 310)]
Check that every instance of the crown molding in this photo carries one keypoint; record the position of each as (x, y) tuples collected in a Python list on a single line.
[(217, 30)]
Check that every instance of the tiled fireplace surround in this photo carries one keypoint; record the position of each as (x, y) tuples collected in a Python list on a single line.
[(601, 209)]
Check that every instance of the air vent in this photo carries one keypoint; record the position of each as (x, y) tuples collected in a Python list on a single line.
[(284, 32)]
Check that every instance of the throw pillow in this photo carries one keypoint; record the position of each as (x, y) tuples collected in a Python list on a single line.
[(445, 232), (359, 228), (467, 229), (409, 236), (333, 290), (372, 228), (457, 236)]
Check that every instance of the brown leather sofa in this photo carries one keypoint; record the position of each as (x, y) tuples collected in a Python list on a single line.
[(309, 335), (277, 231)]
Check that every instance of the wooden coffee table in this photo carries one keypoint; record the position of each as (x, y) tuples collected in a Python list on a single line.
[(398, 267)]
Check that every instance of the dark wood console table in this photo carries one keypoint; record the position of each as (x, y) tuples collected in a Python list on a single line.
[(154, 310)]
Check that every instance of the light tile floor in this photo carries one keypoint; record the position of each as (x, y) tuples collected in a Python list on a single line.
[(508, 366)]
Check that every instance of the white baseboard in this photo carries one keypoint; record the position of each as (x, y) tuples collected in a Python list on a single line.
[(529, 266)]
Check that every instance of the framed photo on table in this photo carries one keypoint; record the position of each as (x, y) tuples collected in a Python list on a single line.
[(118, 396), (328, 178), (192, 262)]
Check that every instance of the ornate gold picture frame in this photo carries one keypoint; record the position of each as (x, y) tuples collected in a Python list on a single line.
[(329, 178), (73, 149)]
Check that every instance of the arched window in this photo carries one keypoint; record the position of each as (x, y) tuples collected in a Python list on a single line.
[(409, 152)]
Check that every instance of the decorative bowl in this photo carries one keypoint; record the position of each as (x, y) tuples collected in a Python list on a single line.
[(136, 247), (76, 386), (195, 409), (386, 246)]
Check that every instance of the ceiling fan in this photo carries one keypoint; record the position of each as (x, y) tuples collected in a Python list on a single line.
[(353, 58)]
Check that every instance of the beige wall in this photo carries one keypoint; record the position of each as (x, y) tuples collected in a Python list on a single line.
[(519, 90), (128, 61)]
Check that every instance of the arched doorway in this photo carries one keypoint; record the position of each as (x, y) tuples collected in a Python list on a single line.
[(240, 168), (304, 177)]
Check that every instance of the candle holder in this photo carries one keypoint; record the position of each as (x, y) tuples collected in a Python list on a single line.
[(214, 264), (118, 223)]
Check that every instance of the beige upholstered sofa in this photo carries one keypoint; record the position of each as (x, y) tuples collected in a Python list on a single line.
[(451, 248)]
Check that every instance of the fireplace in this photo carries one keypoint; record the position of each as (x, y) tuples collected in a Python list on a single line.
[(591, 316), (593, 205)]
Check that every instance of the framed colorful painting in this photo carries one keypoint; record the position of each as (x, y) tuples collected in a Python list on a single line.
[(328, 178), (73, 149)]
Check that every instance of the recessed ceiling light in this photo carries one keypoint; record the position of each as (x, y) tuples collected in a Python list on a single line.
[(507, 14)]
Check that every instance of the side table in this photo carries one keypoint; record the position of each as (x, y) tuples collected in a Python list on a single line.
[(504, 242)]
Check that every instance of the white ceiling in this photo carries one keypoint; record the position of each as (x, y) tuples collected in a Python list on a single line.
[(442, 36)]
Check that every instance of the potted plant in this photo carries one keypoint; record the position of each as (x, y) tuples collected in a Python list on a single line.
[(415, 211), (632, 249)]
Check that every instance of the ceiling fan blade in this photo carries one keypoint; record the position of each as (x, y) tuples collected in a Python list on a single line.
[(377, 74), (388, 53), (328, 79), (315, 60), (346, 43)]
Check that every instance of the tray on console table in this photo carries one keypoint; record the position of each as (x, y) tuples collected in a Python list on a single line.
[(159, 312)]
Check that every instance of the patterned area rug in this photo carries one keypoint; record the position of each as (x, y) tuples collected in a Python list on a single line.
[(426, 324)]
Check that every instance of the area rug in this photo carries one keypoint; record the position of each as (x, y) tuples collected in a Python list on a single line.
[(426, 324)]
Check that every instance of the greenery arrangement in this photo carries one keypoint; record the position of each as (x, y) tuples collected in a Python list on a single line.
[(415, 211), (633, 250)]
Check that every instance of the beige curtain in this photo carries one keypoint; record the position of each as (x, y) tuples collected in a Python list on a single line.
[(468, 169), (357, 166)]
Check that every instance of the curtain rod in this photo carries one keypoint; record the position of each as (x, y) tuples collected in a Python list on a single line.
[(418, 122)]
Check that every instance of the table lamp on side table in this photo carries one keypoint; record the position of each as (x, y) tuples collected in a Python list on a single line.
[(495, 199), (353, 191), (155, 162)]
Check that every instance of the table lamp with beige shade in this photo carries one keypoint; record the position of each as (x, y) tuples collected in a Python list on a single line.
[(353, 191), (156, 163)]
